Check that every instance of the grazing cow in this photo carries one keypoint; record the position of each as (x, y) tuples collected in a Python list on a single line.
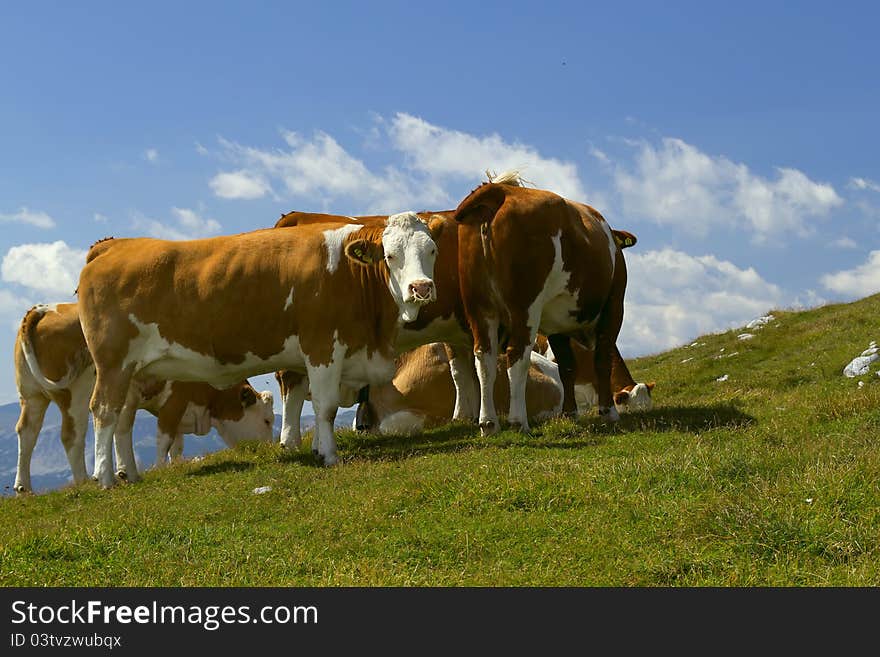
[(440, 321), (324, 299), (532, 260), (53, 364), (627, 394), (422, 393)]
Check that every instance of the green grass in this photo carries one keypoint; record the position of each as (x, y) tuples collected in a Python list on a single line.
[(769, 478)]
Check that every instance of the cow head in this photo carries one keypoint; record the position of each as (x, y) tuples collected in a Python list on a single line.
[(637, 398), (409, 252), (256, 422)]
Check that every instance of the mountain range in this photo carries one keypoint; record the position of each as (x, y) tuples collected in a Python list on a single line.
[(49, 467)]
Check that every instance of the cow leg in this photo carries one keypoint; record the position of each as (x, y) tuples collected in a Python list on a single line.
[(126, 465), (518, 361), (606, 343), (561, 346), (33, 409), (175, 452), (294, 388), (164, 442), (108, 398), (464, 378), (486, 363), (324, 381), (74, 424)]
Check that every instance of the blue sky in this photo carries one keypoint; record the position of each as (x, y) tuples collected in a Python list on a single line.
[(738, 141)]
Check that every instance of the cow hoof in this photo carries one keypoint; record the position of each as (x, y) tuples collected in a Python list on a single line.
[(21, 490), (330, 459), (519, 426), (488, 428), (122, 475)]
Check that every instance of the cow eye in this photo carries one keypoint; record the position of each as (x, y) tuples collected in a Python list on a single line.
[(389, 258)]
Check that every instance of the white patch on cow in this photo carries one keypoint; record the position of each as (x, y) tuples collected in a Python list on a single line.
[(410, 253), (551, 371), (612, 244), (639, 399), (333, 240), (256, 423), (486, 364), (552, 309), (467, 401), (586, 397), (402, 423), (291, 411), (324, 382), (517, 376), (289, 301), (153, 355)]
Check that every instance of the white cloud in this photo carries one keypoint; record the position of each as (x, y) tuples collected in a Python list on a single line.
[(26, 216), (239, 184), (201, 150), (844, 243), (864, 184), (189, 225), (151, 155), (677, 184), (100, 218), (51, 269), (434, 159), (861, 281), (451, 153), (673, 297)]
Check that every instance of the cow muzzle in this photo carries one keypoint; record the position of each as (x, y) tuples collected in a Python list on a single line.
[(422, 292)]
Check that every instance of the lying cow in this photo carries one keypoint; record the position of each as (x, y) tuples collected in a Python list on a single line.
[(530, 260), (53, 364), (324, 299), (422, 393), (627, 394)]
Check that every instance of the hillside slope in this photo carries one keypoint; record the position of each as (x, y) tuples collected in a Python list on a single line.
[(768, 477)]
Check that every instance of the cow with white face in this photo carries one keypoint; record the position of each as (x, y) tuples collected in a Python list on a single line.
[(325, 300), (53, 364)]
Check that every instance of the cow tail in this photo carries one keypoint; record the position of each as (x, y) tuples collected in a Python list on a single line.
[(28, 326)]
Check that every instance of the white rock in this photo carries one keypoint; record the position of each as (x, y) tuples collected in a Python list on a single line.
[(262, 489), (745, 336), (862, 383), (722, 379), (859, 365), (761, 321), (687, 359)]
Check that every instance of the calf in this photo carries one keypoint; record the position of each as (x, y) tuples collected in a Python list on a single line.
[(53, 364), (324, 299)]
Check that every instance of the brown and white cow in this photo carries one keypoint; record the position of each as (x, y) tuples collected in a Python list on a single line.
[(422, 393), (532, 260), (324, 299), (627, 394), (440, 321), (53, 364)]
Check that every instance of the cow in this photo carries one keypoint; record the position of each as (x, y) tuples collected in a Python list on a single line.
[(422, 393), (53, 364), (325, 299), (532, 260), (627, 394), (440, 321)]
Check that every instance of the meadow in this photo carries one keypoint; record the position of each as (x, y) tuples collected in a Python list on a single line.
[(768, 477)]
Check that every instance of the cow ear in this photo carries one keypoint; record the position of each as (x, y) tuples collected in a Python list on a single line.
[(624, 239), (436, 225), (621, 397), (364, 252), (651, 385), (248, 396)]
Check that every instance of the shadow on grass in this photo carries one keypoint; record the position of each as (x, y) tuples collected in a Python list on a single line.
[(215, 468), (688, 419), (558, 433)]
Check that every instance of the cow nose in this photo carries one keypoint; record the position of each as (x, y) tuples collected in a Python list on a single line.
[(422, 290)]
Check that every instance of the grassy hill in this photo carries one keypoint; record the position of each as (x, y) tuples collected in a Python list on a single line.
[(770, 477)]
